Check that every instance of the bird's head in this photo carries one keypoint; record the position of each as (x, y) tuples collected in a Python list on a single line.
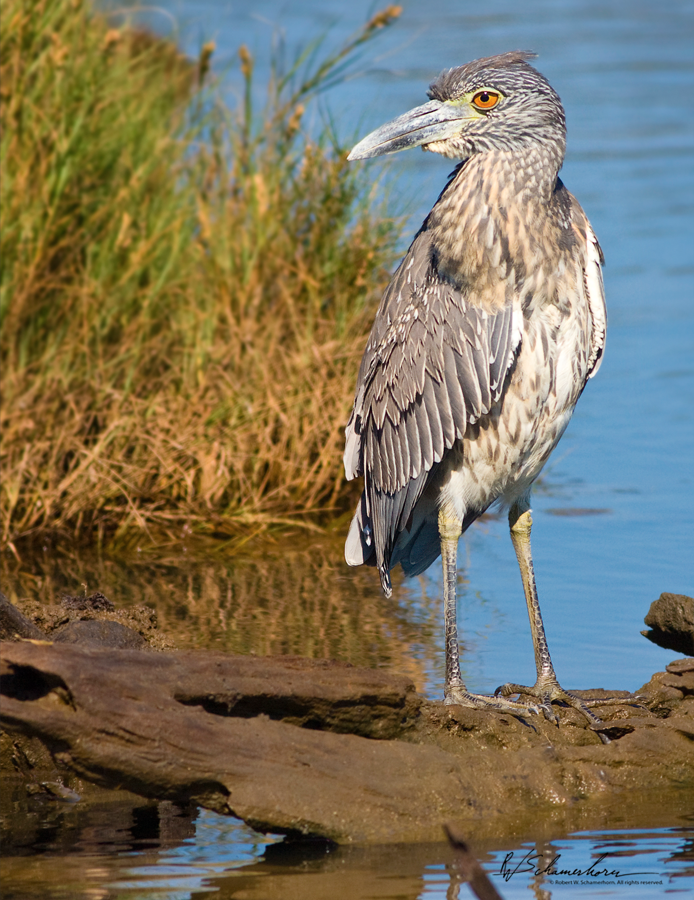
[(497, 103)]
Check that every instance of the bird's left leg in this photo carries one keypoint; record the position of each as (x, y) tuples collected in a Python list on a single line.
[(546, 688), (455, 692)]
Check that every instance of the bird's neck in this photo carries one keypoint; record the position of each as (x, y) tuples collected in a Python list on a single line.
[(487, 220)]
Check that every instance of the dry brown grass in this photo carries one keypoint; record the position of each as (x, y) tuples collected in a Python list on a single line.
[(185, 290)]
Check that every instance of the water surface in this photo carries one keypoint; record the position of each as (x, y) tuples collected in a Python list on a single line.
[(117, 846)]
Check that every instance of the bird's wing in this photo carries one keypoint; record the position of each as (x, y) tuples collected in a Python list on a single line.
[(434, 362), (595, 294)]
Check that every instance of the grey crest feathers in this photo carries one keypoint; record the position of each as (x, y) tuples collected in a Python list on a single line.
[(453, 83), (530, 110)]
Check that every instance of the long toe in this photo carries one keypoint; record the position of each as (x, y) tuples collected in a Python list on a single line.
[(548, 691), (458, 695)]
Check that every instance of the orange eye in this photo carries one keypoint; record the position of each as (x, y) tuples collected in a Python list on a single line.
[(485, 99)]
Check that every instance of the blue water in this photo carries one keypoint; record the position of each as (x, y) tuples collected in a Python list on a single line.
[(223, 852), (625, 72), (223, 857)]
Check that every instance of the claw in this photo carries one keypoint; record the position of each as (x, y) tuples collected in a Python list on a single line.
[(549, 713), (547, 691)]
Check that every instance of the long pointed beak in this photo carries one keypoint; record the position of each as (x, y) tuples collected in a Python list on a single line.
[(434, 121)]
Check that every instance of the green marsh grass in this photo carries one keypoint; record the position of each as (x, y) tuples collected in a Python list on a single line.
[(185, 288)]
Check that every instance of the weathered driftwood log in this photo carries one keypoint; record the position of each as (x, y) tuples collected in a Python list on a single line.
[(313, 747)]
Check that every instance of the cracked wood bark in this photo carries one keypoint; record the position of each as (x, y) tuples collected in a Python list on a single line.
[(227, 732)]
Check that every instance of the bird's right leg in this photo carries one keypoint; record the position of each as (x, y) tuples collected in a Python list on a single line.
[(546, 689), (455, 692)]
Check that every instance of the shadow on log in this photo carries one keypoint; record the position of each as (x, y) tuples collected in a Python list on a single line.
[(317, 748)]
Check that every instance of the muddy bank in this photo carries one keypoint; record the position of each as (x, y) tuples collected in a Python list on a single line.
[(87, 619), (308, 747)]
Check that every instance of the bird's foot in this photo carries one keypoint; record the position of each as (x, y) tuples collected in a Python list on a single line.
[(548, 690), (458, 695)]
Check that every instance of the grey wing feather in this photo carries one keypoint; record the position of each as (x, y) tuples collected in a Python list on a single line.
[(434, 362)]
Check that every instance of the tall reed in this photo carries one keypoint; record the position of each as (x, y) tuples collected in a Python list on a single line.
[(184, 288)]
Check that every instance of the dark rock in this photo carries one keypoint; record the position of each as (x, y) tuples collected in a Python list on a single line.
[(96, 601), (680, 666), (671, 623), (52, 618), (665, 691), (14, 625), (99, 633)]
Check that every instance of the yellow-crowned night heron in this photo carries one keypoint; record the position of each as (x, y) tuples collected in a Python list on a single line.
[(483, 342)]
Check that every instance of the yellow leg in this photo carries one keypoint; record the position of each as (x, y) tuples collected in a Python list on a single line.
[(521, 522), (546, 688), (450, 529)]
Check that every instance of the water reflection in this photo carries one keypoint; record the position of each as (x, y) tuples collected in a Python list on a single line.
[(131, 848), (297, 597), (656, 859), (103, 822), (291, 599), (114, 844)]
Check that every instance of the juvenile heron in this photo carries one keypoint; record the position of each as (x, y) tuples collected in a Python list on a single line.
[(482, 344)]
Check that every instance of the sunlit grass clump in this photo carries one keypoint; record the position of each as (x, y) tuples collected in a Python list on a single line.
[(185, 289)]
